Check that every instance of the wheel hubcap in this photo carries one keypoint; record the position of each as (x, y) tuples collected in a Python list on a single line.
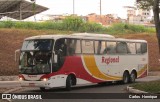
[(132, 77), (126, 79)]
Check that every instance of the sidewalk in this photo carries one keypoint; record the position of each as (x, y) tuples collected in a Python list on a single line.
[(148, 78), (154, 73), (152, 76)]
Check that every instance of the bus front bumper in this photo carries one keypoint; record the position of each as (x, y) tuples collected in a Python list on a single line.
[(35, 84)]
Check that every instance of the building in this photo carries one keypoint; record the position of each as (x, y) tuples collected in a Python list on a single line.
[(105, 20), (145, 15), (138, 16), (54, 18), (131, 12), (135, 19)]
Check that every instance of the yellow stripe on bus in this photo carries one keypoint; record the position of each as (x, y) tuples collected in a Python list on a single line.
[(142, 70), (93, 69)]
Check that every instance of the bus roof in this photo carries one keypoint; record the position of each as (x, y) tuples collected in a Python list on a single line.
[(85, 36)]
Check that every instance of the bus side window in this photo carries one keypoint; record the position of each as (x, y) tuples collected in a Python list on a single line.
[(103, 47), (70, 46), (138, 48), (122, 48), (143, 48), (100, 47), (97, 47), (131, 48), (77, 47), (61, 47), (87, 47), (111, 48), (73, 46)]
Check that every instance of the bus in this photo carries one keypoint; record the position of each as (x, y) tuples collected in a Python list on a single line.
[(49, 61)]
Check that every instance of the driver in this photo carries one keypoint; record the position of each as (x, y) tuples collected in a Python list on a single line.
[(42, 57)]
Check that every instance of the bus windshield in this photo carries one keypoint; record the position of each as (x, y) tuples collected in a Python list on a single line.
[(40, 44), (36, 57)]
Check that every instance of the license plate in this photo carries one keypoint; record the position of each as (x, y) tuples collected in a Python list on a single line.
[(31, 84)]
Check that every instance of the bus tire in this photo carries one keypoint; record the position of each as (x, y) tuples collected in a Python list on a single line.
[(42, 88), (69, 83), (132, 77), (126, 77)]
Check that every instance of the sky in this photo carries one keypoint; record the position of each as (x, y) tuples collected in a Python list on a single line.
[(84, 7)]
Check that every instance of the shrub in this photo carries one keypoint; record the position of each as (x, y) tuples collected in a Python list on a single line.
[(122, 28), (91, 27), (72, 23), (7, 24)]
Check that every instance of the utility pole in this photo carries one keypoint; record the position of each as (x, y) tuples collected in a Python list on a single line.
[(33, 8), (73, 7), (100, 8), (20, 11), (100, 11)]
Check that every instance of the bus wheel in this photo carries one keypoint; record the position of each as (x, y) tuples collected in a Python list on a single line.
[(126, 77), (132, 77), (42, 89), (69, 83)]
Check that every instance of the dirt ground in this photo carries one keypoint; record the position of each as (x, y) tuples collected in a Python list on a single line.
[(11, 39)]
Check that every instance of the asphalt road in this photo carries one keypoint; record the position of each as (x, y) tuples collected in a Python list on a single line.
[(112, 88)]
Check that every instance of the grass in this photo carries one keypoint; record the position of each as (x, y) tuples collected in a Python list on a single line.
[(122, 28), (76, 24), (33, 32), (151, 87)]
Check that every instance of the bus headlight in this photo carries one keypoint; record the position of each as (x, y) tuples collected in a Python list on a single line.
[(44, 79), (21, 79)]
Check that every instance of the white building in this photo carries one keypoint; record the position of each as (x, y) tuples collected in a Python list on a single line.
[(136, 19), (139, 16)]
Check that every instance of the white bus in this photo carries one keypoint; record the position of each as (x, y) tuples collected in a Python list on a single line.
[(49, 61)]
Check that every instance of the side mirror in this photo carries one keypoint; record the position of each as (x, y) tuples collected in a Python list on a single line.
[(17, 51)]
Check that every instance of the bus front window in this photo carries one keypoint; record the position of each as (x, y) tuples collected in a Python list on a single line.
[(36, 57)]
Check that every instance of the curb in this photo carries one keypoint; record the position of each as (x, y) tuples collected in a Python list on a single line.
[(132, 90), (11, 90)]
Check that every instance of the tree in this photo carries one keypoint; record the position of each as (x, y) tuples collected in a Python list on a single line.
[(154, 5)]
